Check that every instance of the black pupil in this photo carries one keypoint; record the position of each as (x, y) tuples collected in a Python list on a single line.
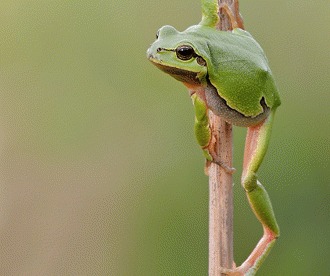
[(185, 52)]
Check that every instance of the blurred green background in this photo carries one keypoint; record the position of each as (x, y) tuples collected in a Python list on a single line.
[(100, 173)]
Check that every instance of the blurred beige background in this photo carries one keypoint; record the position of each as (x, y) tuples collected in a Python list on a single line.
[(100, 173)]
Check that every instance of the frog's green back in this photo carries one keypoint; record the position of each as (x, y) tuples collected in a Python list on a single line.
[(237, 67)]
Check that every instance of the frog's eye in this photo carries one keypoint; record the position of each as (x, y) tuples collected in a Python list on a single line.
[(185, 52)]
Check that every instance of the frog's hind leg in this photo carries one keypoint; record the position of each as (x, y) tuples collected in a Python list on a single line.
[(257, 141), (255, 148)]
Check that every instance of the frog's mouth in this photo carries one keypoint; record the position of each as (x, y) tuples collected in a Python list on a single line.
[(179, 74)]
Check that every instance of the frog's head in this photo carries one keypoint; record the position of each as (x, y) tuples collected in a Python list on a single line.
[(175, 53)]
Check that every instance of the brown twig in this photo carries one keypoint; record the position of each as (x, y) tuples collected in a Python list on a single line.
[(221, 201), (220, 181)]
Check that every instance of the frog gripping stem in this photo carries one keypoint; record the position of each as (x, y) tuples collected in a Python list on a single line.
[(230, 83)]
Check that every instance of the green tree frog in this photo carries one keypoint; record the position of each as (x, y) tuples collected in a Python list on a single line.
[(228, 73)]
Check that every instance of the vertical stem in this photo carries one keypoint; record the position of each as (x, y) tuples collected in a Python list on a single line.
[(221, 201), (220, 182)]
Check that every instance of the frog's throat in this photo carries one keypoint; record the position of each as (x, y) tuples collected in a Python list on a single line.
[(182, 75), (219, 107)]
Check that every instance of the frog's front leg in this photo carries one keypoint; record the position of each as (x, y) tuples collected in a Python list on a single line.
[(203, 132), (255, 148)]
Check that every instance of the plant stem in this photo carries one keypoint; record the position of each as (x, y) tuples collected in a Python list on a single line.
[(221, 201), (221, 184)]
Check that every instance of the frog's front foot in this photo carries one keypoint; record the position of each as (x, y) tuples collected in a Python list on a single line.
[(216, 159), (233, 272), (227, 168)]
